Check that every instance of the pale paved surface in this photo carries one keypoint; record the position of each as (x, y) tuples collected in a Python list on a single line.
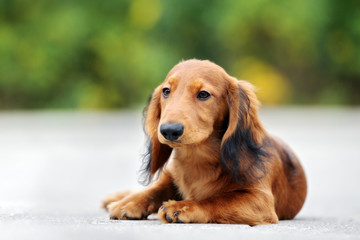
[(55, 167)]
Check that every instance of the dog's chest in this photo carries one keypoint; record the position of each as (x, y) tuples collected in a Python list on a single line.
[(194, 183)]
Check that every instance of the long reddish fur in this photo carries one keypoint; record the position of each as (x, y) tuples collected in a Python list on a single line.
[(204, 182)]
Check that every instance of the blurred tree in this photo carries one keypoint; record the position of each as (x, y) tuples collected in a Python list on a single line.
[(111, 54)]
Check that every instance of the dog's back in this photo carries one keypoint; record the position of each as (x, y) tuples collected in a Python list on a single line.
[(289, 186)]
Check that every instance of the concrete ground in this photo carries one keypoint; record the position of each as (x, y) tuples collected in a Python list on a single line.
[(55, 167)]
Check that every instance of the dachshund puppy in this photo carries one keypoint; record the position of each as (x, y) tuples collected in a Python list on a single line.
[(224, 167)]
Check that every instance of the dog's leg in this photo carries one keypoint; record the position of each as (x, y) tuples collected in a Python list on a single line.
[(113, 197), (139, 205), (233, 207)]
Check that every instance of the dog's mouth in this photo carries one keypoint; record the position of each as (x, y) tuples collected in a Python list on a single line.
[(173, 144), (185, 140)]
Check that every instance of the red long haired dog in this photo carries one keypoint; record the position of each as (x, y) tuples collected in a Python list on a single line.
[(225, 168)]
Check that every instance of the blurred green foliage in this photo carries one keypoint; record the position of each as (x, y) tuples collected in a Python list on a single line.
[(111, 54)]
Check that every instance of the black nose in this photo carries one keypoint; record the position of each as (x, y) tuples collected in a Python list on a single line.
[(171, 131)]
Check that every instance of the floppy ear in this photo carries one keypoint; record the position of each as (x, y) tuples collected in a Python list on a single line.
[(242, 144), (157, 153)]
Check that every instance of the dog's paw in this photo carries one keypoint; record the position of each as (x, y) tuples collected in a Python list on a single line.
[(133, 207), (114, 197), (182, 212), (120, 211)]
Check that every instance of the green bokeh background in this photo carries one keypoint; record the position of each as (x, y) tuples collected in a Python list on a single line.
[(111, 54)]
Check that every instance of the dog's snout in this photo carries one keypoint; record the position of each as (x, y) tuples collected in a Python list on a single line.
[(171, 131)]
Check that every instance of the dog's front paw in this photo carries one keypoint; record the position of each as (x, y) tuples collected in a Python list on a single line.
[(133, 207), (114, 197), (182, 212), (120, 211)]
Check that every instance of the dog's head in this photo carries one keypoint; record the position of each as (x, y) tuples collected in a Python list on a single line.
[(198, 100)]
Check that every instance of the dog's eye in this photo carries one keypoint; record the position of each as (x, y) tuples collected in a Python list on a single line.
[(203, 95), (166, 92)]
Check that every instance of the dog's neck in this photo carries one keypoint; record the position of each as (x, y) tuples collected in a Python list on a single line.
[(200, 164)]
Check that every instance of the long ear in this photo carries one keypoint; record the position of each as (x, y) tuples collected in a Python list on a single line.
[(242, 144), (157, 153)]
